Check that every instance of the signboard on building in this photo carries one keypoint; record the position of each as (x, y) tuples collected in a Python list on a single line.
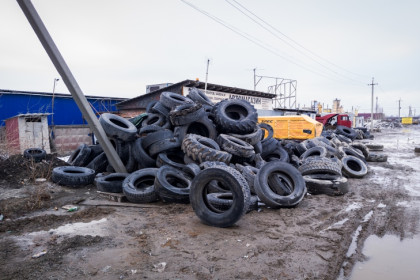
[(260, 103)]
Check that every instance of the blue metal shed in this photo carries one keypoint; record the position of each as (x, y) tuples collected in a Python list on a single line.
[(66, 112)]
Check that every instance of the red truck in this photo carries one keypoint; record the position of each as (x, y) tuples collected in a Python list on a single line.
[(331, 121)]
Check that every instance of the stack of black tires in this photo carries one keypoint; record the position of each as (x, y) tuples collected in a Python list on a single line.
[(216, 157)]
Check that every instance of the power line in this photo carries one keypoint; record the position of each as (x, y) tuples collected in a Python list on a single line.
[(287, 43), (254, 40), (296, 43)]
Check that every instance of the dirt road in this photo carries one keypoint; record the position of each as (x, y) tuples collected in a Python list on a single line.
[(322, 238)]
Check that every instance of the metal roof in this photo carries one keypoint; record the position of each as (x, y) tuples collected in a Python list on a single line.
[(64, 95), (201, 85)]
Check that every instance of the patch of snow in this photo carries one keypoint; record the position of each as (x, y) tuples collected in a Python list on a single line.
[(353, 206), (381, 205), (368, 216), (353, 245), (403, 204), (66, 158)]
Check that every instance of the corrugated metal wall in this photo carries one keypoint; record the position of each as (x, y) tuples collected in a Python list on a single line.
[(66, 111)]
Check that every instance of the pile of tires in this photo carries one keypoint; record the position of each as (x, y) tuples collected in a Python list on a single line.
[(216, 157)]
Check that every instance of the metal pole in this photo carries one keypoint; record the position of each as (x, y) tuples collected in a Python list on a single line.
[(255, 82), (371, 107), (71, 83), (207, 75), (52, 103)]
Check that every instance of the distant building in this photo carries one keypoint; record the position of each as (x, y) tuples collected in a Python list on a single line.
[(66, 112), (262, 101)]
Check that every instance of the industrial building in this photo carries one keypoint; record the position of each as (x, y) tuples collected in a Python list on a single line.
[(262, 101)]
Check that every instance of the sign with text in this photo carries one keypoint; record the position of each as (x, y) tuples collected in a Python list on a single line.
[(217, 96)]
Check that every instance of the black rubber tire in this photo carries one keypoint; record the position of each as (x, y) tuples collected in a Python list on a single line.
[(278, 154), (139, 186), (224, 200), (315, 151), (172, 158), (373, 157), (199, 149), (171, 99), (111, 182), (154, 119), (268, 146), (203, 127), (144, 131), (249, 173), (150, 106), (141, 156), (320, 165), (35, 154), (353, 167), (344, 139), (235, 146), (252, 138), (241, 196), (164, 145), (80, 156), (270, 131), (74, 176), (265, 191), (346, 131), (172, 185), (375, 147), (235, 116), (320, 185), (349, 151), (301, 148), (99, 163), (186, 113), (159, 108), (258, 148), (156, 136), (199, 96), (95, 150), (118, 127)]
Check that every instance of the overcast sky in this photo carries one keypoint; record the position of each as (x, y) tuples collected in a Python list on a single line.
[(115, 48)]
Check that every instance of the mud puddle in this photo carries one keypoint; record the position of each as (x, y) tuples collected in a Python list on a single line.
[(388, 258)]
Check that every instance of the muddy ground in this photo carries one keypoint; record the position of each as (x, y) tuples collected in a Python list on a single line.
[(322, 238)]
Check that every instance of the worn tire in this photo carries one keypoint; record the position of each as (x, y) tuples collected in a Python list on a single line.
[(278, 154), (361, 147), (200, 149), (172, 185), (172, 99), (199, 96), (346, 131), (139, 186), (235, 116), (164, 145), (118, 127), (319, 184), (35, 154), (73, 176), (265, 191), (353, 167), (207, 213), (80, 156), (186, 113), (252, 138), (141, 155), (99, 163), (235, 146), (203, 127), (375, 147), (320, 165), (373, 157), (314, 151), (111, 182), (156, 136)]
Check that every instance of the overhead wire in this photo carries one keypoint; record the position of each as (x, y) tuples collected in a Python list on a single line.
[(286, 42), (295, 42), (254, 40)]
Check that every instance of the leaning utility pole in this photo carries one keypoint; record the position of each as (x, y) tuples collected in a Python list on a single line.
[(371, 107), (71, 83)]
